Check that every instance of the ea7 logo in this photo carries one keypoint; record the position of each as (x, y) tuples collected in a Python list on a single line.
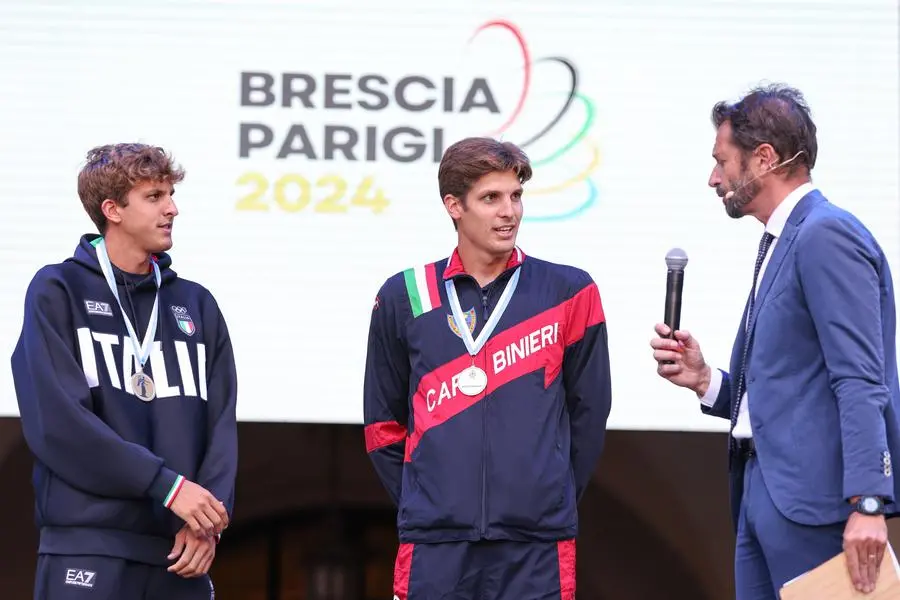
[(94, 307), (80, 577)]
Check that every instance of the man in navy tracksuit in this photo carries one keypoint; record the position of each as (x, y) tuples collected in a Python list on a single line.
[(487, 392), (126, 385)]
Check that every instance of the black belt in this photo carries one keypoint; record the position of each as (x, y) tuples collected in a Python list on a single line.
[(746, 448)]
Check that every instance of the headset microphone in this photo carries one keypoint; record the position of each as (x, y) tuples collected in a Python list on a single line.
[(731, 193)]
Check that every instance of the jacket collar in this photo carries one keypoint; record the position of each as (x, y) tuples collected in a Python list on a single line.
[(783, 211), (455, 266), (786, 240)]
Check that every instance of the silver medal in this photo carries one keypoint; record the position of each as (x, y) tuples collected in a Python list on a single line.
[(472, 381), (143, 387), (141, 384)]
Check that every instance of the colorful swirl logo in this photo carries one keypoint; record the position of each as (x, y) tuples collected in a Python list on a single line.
[(582, 176)]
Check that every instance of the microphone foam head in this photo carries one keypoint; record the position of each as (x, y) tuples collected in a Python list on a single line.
[(676, 259)]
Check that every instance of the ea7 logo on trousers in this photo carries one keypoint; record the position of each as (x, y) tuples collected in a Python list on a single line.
[(80, 577)]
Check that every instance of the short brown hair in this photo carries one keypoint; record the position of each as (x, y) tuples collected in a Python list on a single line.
[(469, 159), (773, 114), (113, 170)]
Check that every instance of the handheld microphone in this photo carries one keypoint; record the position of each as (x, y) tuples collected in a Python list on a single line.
[(676, 261)]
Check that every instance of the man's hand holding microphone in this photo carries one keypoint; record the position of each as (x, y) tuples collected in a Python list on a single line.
[(676, 352)]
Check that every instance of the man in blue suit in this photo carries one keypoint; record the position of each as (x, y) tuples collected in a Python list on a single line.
[(812, 391)]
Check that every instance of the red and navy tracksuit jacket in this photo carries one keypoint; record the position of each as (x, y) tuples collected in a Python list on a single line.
[(511, 462)]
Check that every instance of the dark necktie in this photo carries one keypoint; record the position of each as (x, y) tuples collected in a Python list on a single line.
[(764, 244)]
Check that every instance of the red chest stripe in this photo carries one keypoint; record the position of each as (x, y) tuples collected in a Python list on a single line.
[(538, 342)]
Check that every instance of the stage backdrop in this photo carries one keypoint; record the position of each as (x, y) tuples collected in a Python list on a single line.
[(311, 134)]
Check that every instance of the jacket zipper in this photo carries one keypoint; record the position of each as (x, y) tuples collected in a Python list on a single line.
[(484, 316)]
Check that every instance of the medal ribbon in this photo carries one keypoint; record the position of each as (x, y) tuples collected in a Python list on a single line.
[(474, 346), (142, 352)]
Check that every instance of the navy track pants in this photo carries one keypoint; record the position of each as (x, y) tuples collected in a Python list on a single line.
[(107, 578), (485, 570)]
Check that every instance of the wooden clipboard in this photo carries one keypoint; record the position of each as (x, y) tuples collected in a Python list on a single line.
[(831, 581)]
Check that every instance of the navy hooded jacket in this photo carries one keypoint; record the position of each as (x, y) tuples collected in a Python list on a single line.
[(512, 461), (106, 462)]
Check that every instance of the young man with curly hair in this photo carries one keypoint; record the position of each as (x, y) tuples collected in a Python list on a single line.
[(126, 387)]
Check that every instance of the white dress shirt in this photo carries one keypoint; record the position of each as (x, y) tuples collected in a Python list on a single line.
[(775, 226)]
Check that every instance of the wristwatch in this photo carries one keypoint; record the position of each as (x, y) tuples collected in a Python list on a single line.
[(869, 505)]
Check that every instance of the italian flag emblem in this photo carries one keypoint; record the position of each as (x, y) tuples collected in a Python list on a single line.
[(422, 289), (185, 323)]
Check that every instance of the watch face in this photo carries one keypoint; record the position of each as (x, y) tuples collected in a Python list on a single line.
[(870, 505)]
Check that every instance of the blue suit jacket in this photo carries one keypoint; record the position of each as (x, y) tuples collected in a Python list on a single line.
[(822, 369)]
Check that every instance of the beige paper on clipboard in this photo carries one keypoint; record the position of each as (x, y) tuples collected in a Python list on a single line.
[(831, 581)]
